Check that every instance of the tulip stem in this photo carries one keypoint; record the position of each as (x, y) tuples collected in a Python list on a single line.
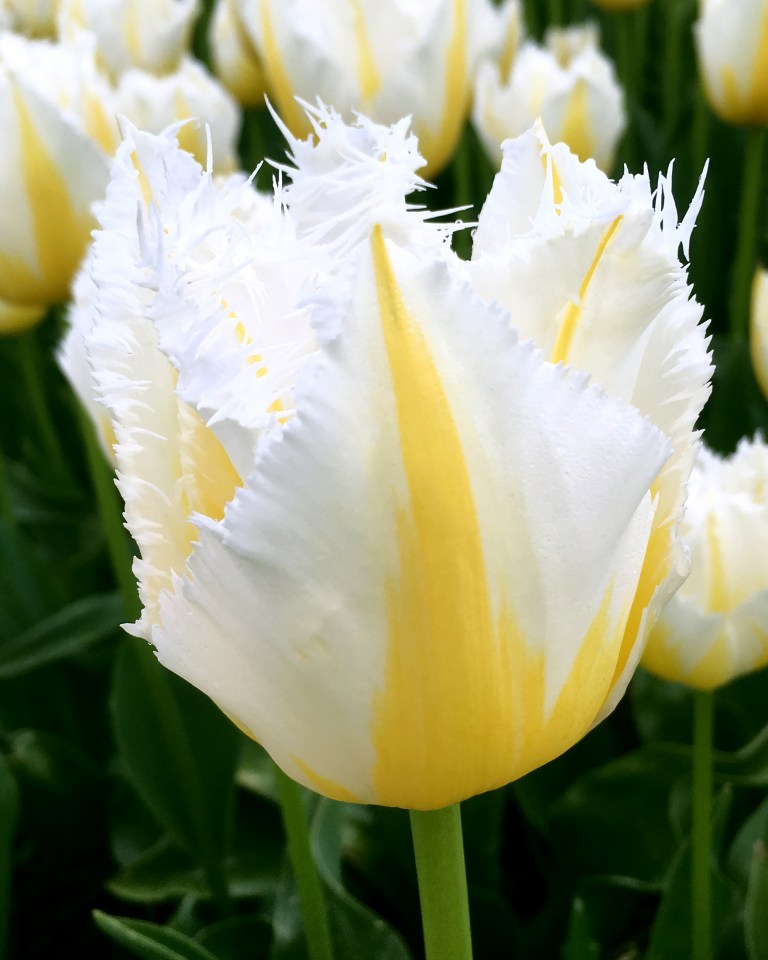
[(701, 889), (555, 13), (749, 214), (311, 897), (110, 511), (439, 851), (31, 364)]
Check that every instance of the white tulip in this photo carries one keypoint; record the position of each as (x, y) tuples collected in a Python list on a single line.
[(235, 61), (393, 542), (758, 328), (33, 18), (716, 627), (568, 83)]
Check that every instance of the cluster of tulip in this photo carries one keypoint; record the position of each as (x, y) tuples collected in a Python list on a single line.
[(410, 520)]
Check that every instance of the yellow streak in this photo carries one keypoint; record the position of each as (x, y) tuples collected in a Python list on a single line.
[(324, 785), (278, 82), (573, 312), (132, 34), (463, 704), (190, 137), (144, 184), (576, 127), (438, 145), (61, 233), (367, 74), (718, 599), (98, 125)]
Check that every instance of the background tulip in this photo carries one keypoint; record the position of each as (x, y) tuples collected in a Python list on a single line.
[(57, 120), (732, 44), (385, 59), (714, 628), (480, 618), (758, 332), (235, 60), (189, 93), (33, 18), (567, 82), (152, 35)]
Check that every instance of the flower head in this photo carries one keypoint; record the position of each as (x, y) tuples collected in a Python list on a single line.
[(389, 538), (714, 628)]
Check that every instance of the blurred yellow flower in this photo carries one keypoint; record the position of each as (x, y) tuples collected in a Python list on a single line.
[(393, 542), (235, 61), (732, 45), (568, 83), (716, 627), (152, 35), (385, 58), (758, 328), (57, 120)]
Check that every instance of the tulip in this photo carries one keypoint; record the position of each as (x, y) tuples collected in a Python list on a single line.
[(33, 18), (55, 114), (713, 630), (152, 35), (235, 62), (732, 44), (16, 317), (568, 83), (758, 328), (394, 542), (383, 58), (153, 103)]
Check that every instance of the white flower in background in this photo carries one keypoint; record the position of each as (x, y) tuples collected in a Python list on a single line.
[(716, 627), (568, 83), (732, 46), (384, 58), (33, 18), (152, 35), (393, 542), (615, 304), (154, 103), (234, 59), (758, 328), (57, 119)]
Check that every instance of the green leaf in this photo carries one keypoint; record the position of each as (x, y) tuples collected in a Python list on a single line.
[(238, 937), (9, 811), (748, 766), (756, 908), (357, 930), (579, 944), (149, 940), (615, 819), (753, 830), (180, 753), (64, 634)]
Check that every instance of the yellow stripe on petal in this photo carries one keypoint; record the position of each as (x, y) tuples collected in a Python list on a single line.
[(437, 146), (60, 232), (750, 104), (324, 785), (367, 74), (576, 130), (278, 81), (570, 321)]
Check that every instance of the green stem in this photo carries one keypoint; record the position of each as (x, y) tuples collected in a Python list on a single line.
[(555, 13), (6, 507), (671, 72), (749, 212), (439, 850), (305, 873), (701, 904), (31, 364), (700, 131), (111, 513)]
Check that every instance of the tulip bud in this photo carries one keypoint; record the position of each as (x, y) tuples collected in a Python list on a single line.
[(732, 45), (714, 628), (235, 61), (56, 121), (758, 328), (569, 83), (383, 58), (151, 35), (15, 317), (33, 18), (191, 93), (395, 543)]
